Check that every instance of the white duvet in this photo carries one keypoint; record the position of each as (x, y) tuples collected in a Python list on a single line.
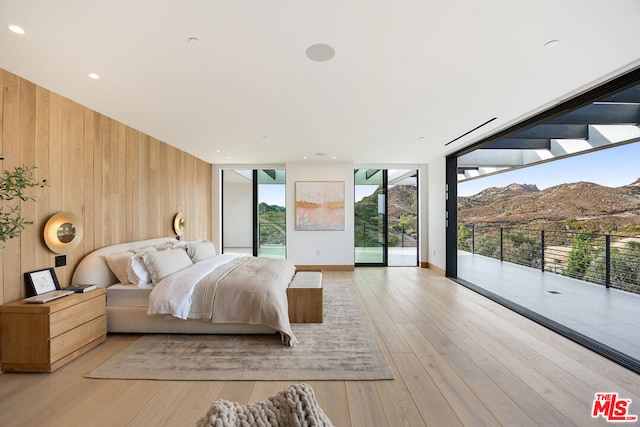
[(172, 295)]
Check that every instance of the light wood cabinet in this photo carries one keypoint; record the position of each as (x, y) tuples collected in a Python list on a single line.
[(43, 337)]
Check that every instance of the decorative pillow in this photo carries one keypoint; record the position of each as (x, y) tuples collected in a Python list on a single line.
[(198, 251), (138, 272), (144, 249), (118, 264), (164, 246), (163, 263), (180, 244)]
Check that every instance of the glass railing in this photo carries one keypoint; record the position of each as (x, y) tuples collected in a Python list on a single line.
[(605, 259), (272, 238)]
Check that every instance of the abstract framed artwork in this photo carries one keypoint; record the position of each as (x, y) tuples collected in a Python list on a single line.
[(320, 205)]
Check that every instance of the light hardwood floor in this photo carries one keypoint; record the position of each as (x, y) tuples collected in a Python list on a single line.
[(458, 359)]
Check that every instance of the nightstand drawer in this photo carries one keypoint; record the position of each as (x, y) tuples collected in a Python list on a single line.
[(68, 342), (74, 316)]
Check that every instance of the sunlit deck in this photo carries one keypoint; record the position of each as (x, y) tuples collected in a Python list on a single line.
[(606, 316)]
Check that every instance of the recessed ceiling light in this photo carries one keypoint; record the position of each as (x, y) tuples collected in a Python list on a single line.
[(320, 52), (16, 29), (551, 44), (193, 40), (217, 151), (93, 76)]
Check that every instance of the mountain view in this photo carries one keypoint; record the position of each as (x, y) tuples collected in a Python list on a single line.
[(579, 205), (402, 204), (272, 224), (591, 232)]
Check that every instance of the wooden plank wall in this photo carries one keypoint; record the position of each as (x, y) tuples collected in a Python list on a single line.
[(124, 184)]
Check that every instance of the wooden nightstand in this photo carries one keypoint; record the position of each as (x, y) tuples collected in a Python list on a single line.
[(43, 337)]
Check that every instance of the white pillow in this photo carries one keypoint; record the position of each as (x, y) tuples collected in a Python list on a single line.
[(198, 251), (144, 249), (163, 263), (180, 244), (138, 272), (164, 246), (118, 264)]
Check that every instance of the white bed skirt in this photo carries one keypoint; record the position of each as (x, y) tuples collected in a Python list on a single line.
[(136, 320)]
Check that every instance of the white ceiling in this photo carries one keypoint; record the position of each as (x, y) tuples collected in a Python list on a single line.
[(407, 78)]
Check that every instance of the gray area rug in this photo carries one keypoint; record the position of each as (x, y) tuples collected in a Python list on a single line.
[(343, 347)]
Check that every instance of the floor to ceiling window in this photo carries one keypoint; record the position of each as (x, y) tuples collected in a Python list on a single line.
[(386, 217), (271, 214), (370, 220), (254, 212), (402, 240), (564, 254)]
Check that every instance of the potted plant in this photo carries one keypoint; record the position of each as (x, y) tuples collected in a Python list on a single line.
[(13, 185)]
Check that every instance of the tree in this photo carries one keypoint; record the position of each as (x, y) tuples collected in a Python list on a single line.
[(464, 238), (580, 255), (523, 250), (624, 268), (405, 222), (367, 221), (488, 243), (13, 185)]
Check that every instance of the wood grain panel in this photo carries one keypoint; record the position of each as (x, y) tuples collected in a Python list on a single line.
[(73, 193), (12, 289), (43, 195), (27, 140), (124, 184), (2, 164), (88, 241), (132, 180)]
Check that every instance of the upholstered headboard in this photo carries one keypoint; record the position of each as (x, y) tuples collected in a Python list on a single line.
[(94, 269)]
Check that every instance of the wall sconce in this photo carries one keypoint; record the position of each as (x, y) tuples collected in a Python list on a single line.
[(63, 232), (179, 223)]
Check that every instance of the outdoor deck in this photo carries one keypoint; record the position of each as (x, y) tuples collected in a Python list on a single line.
[(608, 316)]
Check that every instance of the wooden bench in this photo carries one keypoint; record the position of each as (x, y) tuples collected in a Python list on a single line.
[(305, 297)]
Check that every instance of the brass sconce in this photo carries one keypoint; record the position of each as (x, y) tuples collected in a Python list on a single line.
[(179, 224), (63, 232)]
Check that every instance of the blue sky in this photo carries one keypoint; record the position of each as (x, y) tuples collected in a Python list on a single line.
[(612, 167)]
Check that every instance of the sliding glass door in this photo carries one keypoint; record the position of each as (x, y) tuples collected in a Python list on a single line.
[(370, 222), (386, 217), (402, 239), (254, 212), (271, 213)]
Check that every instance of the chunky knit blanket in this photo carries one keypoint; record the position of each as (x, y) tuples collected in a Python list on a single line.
[(296, 406)]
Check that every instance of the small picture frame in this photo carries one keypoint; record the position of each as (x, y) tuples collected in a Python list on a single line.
[(42, 281)]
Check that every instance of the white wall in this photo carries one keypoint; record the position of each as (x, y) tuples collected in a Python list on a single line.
[(237, 210), (320, 247), (423, 212), (336, 247), (436, 221)]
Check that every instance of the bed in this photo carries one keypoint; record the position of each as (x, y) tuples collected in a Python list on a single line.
[(167, 286)]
